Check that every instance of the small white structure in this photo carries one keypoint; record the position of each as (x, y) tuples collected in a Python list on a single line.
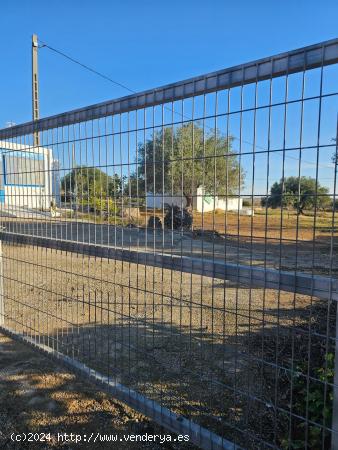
[(247, 212), (206, 203), (201, 201), (157, 201), (25, 176)]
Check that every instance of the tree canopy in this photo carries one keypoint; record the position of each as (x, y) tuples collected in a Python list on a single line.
[(179, 160), (90, 182), (299, 193)]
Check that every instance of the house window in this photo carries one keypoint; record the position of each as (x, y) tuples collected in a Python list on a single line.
[(23, 169)]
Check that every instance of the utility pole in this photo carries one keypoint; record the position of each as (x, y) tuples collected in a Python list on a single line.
[(35, 86)]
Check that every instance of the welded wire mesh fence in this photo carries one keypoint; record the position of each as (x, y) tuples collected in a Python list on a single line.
[(179, 245)]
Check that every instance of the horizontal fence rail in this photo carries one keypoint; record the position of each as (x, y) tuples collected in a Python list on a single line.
[(263, 69), (179, 247), (324, 288)]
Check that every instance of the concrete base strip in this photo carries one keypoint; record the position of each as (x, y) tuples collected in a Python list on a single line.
[(323, 287)]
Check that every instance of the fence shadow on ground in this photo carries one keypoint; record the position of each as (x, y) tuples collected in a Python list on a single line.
[(242, 384)]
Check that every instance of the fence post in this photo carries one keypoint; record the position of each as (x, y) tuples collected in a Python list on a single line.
[(2, 303), (334, 437)]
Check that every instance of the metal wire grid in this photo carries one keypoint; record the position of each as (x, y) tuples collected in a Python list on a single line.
[(243, 360)]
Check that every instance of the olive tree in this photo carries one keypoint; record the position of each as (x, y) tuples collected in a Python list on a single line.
[(178, 160)]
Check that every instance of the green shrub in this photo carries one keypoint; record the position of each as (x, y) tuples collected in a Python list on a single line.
[(316, 399), (101, 206)]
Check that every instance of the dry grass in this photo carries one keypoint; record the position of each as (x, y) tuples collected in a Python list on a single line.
[(271, 224)]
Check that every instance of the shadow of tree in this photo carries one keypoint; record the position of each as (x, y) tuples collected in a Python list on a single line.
[(39, 396)]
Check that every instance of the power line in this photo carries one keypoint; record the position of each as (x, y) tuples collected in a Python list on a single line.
[(117, 83), (85, 66)]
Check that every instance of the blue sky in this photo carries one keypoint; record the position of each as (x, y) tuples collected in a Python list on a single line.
[(143, 44)]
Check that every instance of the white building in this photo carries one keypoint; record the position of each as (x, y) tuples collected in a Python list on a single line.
[(25, 176), (208, 203), (201, 201)]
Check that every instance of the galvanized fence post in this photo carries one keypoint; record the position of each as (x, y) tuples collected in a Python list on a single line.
[(2, 303), (334, 438)]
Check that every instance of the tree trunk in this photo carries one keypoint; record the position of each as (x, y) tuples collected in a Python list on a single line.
[(188, 198)]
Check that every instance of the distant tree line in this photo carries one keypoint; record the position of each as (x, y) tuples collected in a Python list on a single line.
[(298, 193), (92, 188)]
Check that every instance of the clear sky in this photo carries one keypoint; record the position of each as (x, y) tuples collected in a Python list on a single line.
[(144, 44)]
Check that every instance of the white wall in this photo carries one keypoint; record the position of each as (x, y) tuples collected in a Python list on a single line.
[(205, 203), (158, 201), (201, 202), (27, 196)]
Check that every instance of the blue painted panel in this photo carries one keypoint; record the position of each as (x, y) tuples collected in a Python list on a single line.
[(2, 196), (30, 156)]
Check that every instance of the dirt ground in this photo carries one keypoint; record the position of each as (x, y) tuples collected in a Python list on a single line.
[(39, 396), (231, 238), (210, 350), (270, 224)]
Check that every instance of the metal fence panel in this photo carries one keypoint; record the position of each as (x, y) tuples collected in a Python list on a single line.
[(182, 249)]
